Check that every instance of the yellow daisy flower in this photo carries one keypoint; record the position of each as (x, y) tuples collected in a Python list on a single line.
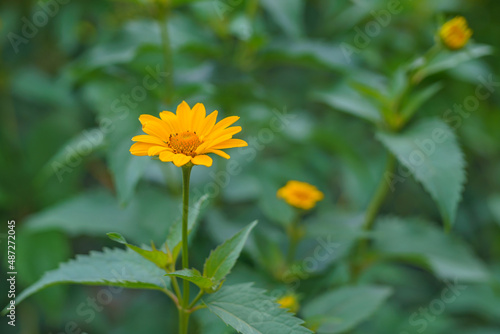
[(455, 33), (301, 195), (186, 136), (290, 302)]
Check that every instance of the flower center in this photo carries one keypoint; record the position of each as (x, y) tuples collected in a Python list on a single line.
[(457, 32), (184, 142), (301, 195)]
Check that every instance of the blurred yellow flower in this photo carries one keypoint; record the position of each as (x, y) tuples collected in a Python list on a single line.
[(301, 195), (290, 302), (455, 33), (186, 136)]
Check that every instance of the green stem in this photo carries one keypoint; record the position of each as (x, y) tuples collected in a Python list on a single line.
[(195, 300), (176, 287), (167, 52), (182, 323), (172, 296), (294, 234), (184, 315), (417, 75), (380, 194), (371, 213)]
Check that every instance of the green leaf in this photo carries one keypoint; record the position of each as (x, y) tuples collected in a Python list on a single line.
[(96, 212), (126, 170), (222, 259), (369, 91), (161, 259), (117, 237), (41, 252), (113, 267), (494, 206), (288, 14), (74, 151), (418, 99), (349, 101), (335, 232), (310, 53), (249, 311), (341, 310), (423, 243), (430, 151), (174, 237), (194, 276), (451, 59)]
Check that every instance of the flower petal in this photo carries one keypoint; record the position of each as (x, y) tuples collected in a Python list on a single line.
[(181, 159), (148, 139), (154, 126), (223, 132), (220, 153), (212, 143), (199, 114), (208, 124), (233, 142), (204, 160), (155, 150), (171, 121), (167, 156), (224, 123), (140, 149), (185, 116)]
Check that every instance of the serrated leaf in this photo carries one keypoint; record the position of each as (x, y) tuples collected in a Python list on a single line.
[(41, 252), (222, 259), (174, 237), (154, 255), (429, 149), (194, 276), (340, 310), (114, 267), (249, 311), (447, 256)]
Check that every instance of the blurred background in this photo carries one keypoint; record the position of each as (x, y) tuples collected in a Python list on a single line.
[(76, 75)]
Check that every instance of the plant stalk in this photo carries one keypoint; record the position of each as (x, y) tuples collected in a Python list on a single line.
[(294, 235), (197, 298), (371, 214), (380, 194), (183, 314)]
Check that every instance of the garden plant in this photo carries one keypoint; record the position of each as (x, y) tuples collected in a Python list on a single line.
[(244, 166)]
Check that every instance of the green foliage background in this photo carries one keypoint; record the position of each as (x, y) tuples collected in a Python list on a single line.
[(70, 99)]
